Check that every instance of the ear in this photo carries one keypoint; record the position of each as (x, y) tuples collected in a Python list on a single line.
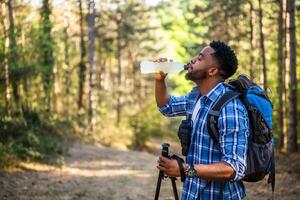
[(213, 71)]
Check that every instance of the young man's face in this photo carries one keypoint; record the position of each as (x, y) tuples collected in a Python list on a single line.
[(201, 64)]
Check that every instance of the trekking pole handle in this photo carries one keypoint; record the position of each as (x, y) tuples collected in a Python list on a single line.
[(165, 150)]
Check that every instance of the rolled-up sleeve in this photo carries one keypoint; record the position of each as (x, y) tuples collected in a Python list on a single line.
[(233, 126), (176, 106)]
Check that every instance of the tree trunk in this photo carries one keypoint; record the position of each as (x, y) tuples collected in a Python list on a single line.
[(13, 55), (262, 47), (281, 66), (119, 76), (132, 84), (226, 31), (292, 133), (4, 24), (285, 72), (101, 72), (252, 22), (67, 64), (91, 23), (47, 58), (82, 64)]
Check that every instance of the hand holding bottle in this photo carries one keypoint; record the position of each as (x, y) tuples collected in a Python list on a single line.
[(161, 93), (160, 76)]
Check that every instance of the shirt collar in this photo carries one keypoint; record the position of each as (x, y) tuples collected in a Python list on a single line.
[(214, 93)]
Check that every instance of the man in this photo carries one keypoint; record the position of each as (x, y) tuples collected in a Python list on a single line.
[(213, 170)]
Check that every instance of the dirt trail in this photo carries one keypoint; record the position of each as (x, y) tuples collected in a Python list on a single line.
[(96, 172), (90, 172)]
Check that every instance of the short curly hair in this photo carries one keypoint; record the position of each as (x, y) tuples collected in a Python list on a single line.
[(225, 57)]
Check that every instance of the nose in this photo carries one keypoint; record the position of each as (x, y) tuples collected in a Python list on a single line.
[(193, 60)]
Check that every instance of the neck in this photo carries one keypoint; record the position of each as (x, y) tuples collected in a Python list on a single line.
[(206, 85)]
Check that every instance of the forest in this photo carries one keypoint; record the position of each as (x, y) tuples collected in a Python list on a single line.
[(70, 70)]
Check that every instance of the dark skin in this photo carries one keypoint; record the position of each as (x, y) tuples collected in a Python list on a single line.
[(204, 70)]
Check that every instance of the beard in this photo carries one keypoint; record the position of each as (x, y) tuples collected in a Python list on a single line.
[(197, 75)]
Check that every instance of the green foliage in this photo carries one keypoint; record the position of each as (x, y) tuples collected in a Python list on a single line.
[(1, 51), (127, 27), (7, 158), (148, 123), (27, 137), (46, 50), (179, 85), (183, 29)]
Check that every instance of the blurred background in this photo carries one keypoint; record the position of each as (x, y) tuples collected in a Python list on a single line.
[(70, 69)]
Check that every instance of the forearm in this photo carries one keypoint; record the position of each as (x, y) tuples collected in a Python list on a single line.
[(161, 93), (215, 171)]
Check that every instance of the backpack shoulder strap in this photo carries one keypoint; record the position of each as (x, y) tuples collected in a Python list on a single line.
[(272, 178), (213, 114)]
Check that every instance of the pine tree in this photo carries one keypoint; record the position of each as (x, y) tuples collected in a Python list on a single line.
[(262, 46), (127, 38), (46, 48), (281, 66), (252, 41), (82, 63), (12, 54), (292, 130), (91, 24), (3, 56)]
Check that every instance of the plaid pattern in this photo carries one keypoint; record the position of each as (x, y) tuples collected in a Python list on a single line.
[(232, 147)]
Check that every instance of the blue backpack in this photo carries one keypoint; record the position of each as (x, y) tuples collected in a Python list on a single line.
[(260, 155)]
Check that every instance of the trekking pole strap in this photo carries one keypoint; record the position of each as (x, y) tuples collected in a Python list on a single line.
[(180, 162), (272, 177)]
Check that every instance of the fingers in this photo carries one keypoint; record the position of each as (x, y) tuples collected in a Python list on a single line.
[(160, 75), (163, 60), (162, 164), (161, 168), (164, 159), (163, 74), (167, 166)]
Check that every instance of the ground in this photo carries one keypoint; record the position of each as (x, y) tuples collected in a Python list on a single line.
[(95, 172)]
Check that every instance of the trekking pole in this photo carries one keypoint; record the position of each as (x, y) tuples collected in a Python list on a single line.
[(160, 177), (165, 153), (174, 188)]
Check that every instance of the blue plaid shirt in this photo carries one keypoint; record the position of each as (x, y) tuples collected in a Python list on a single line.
[(233, 127)]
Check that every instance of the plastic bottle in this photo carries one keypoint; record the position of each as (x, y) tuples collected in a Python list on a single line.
[(167, 67)]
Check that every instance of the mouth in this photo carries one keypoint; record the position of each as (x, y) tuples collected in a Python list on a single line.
[(188, 67)]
